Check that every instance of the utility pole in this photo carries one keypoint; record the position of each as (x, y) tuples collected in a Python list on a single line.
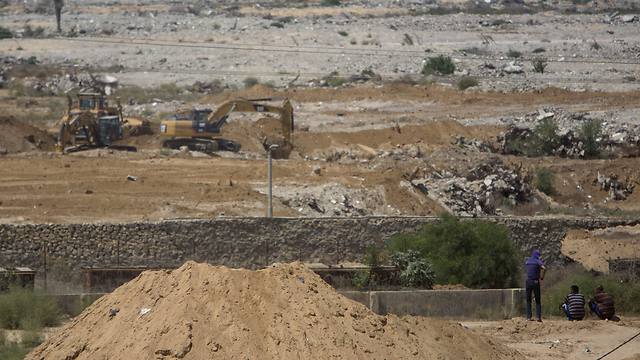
[(270, 176)]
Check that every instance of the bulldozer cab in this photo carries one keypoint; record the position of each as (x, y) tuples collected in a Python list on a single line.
[(109, 130), (91, 101)]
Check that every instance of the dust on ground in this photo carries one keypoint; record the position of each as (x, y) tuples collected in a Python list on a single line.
[(284, 312), (562, 339)]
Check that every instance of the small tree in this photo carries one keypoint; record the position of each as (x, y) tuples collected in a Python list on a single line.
[(544, 181), (514, 54), (440, 64), (415, 271), (590, 133), (539, 65)]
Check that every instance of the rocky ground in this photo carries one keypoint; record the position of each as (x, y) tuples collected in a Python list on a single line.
[(373, 135)]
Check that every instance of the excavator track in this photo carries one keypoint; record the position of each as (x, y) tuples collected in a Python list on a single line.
[(208, 146)]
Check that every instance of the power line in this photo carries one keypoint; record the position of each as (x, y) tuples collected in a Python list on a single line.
[(328, 51)]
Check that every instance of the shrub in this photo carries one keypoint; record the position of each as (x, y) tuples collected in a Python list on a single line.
[(595, 45), (475, 51), (590, 133), (277, 24), (546, 138), (539, 50), (343, 33), (440, 64), (30, 32), (5, 33), (539, 65), (474, 253), (407, 40), (24, 309), (334, 79), (330, 3), (250, 81), (415, 271), (625, 291), (544, 181), (466, 82), (514, 53)]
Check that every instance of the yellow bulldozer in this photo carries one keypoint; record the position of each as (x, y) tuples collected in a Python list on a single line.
[(91, 122), (199, 129)]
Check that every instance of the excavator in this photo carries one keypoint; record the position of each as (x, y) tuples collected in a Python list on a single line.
[(92, 123), (198, 130)]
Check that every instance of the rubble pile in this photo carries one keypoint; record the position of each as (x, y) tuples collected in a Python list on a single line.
[(363, 153), (481, 191), (617, 138), (331, 199), (473, 144), (618, 189)]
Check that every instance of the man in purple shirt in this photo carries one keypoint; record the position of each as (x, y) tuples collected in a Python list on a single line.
[(534, 267)]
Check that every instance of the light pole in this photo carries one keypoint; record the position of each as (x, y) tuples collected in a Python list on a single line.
[(270, 175)]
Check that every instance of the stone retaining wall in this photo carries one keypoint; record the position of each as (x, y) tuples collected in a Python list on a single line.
[(243, 242)]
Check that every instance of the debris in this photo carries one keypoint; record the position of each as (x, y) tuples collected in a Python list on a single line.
[(618, 190), (132, 178), (512, 68), (144, 311)]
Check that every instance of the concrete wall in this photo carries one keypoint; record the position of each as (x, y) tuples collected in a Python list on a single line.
[(493, 304), (243, 242)]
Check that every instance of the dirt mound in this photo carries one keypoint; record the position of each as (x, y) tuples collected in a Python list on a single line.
[(286, 312), (593, 249), (17, 137)]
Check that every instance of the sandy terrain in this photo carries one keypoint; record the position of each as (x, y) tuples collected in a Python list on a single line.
[(561, 339), (593, 249)]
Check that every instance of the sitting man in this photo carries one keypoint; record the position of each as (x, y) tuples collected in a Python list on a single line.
[(573, 305), (602, 305)]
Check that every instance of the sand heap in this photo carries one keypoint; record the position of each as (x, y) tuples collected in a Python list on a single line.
[(286, 312), (595, 248), (16, 136)]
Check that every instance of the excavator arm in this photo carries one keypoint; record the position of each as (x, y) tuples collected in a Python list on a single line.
[(218, 118)]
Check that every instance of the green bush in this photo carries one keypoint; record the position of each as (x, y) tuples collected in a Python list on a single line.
[(544, 181), (466, 82), (625, 291), (330, 3), (5, 33), (546, 138), (343, 33), (590, 132), (250, 82), (514, 54), (415, 271), (441, 64), (539, 65), (26, 309), (474, 253), (334, 79), (13, 352)]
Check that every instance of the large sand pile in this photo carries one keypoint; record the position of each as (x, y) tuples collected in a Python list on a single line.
[(286, 312)]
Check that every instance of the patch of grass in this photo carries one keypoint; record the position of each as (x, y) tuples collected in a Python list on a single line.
[(625, 291), (334, 79), (30, 32), (343, 33), (440, 64), (544, 181), (25, 309), (250, 82), (466, 82), (5, 33), (539, 65), (13, 351), (514, 54)]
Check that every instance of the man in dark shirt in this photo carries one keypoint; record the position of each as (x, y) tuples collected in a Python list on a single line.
[(573, 305), (534, 267), (602, 305)]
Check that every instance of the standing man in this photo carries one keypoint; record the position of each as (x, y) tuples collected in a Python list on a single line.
[(58, 4), (573, 305), (534, 267)]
